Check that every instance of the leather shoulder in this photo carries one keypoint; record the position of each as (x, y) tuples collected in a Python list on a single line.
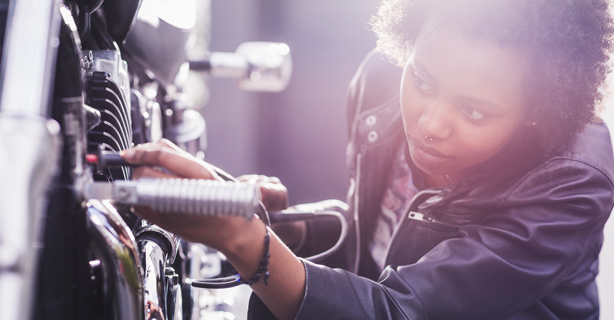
[(376, 81), (593, 147)]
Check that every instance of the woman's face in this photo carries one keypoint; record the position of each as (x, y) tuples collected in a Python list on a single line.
[(461, 99)]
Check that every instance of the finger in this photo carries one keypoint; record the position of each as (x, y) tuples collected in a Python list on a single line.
[(149, 172), (133, 155), (169, 144), (274, 197), (180, 163), (247, 177), (274, 180)]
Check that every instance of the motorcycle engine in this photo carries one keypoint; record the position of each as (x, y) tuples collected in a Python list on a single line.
[(120, 71)]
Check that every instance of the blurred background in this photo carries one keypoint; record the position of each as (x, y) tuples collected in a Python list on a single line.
[(298, 135)]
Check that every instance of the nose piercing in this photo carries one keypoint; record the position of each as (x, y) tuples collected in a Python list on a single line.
[(426, 136)]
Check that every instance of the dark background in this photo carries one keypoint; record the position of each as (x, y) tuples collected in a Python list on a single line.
[(298, 135)]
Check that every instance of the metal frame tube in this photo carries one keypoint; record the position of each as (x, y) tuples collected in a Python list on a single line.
[(28, 145), (28, 61)]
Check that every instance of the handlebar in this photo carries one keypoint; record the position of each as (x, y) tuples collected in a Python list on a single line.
[(187, 196)]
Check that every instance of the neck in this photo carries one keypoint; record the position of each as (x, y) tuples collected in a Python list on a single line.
[(436, 181)]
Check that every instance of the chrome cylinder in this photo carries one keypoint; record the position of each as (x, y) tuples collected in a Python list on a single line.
[(171, 242), (188, 196), (28, 61), (154, 264), (28, 153)]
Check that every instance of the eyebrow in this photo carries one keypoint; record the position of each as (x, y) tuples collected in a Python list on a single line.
[(485, 103), (419, 67)]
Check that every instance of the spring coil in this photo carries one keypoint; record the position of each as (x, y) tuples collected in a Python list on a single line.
[(201, 197)]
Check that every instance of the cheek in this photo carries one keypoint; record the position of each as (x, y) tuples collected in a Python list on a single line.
[(411, 109), (476, 144)]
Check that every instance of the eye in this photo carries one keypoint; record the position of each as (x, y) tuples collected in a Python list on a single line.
[(422, 85), (471, 112)]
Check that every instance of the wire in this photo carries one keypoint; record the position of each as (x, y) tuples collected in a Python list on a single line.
[(229, 282), (342, 236), (219, 283), (268, 218)]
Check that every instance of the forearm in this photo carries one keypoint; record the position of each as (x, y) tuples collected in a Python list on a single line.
[(286, 285), (240, 240)]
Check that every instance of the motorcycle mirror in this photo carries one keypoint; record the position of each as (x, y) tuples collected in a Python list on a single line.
[(257, 66)]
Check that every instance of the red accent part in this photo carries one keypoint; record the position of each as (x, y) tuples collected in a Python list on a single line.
[(91, 158)]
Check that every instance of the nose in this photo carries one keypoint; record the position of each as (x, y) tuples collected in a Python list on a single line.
[(435, 121)]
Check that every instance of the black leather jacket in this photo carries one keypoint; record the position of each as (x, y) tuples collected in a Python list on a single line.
[(520, 240)]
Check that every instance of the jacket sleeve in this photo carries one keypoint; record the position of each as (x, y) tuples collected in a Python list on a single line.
[(499, 266)]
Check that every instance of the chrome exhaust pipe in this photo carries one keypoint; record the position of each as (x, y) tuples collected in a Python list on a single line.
[(115, 247)]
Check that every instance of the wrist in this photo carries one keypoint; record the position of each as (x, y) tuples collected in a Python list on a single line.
[(245, 243)]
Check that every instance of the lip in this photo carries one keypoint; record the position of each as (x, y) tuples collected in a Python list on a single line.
[(426, 154)]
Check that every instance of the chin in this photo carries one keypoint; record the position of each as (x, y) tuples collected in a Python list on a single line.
[(431, 169)]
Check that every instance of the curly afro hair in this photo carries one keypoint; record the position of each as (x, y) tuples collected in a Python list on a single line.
[(568, 41)]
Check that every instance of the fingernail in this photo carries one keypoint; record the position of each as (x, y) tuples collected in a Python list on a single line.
[(127, 154)]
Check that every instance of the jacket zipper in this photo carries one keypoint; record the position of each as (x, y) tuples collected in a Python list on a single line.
[(404, 217), (356, 220)]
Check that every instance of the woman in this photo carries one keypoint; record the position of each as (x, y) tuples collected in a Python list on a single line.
[(500, 211)]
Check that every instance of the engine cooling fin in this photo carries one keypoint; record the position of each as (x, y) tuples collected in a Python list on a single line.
[(114, 132)]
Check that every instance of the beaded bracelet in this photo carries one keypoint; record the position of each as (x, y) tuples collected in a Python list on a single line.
[(263, 267)]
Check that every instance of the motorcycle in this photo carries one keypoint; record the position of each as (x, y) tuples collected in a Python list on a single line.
[(83, 80)]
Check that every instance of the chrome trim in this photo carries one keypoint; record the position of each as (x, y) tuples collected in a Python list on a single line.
[(110, 61), (115, 247), (28, 152), (270, 66), (257, 66), (28, 61), (160, 37), (28, 145), (192, 127), (154, 265), (187, 196), (172, 239)]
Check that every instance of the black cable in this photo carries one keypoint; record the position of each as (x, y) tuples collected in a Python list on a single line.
[(219, 283), (85, 25), (99, 28), (229, 282), (85, 16)]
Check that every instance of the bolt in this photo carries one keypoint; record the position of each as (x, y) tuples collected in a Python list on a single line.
[(123, 193)]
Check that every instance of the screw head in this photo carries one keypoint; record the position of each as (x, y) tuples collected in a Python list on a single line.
[(123, 193)]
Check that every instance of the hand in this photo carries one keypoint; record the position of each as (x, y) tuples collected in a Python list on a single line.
[(240, 240), (153, 311), (151, 157), (216, 232), (274, 193)]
